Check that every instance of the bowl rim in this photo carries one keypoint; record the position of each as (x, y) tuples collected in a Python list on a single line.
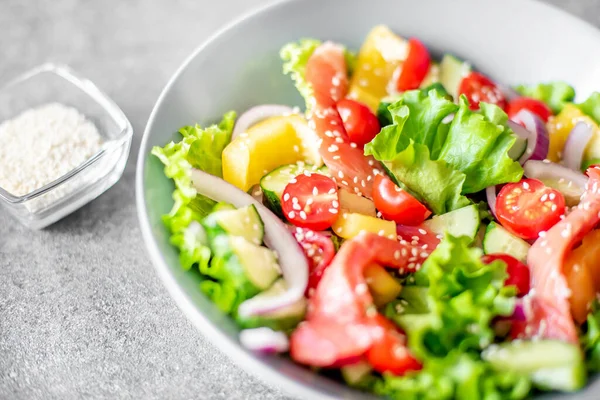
[(250, 363)]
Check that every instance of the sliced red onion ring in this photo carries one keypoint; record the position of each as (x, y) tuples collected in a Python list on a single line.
[(256, 114), (538, 141), (577, 141), (490, 193), (569, 182), (264, 340), (277, 237)]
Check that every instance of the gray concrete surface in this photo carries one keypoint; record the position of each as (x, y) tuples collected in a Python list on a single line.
[(82, 313)]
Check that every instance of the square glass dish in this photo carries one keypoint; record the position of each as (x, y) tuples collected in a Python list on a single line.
[(50, 83)]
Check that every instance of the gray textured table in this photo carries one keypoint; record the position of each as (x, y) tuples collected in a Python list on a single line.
[(82, 313)]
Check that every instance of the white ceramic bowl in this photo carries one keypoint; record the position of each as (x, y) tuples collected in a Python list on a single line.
[(514, 41)]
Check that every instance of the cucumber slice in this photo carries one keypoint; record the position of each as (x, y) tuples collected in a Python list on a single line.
[(244, 222), (551, 364), (462, 222), (353, 374), (499, 240), (280, 320), (273, 184), (518, 149), (571, 192), (452, 71), (259, 263)]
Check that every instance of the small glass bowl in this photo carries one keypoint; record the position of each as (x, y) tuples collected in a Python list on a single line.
[(51, 83)]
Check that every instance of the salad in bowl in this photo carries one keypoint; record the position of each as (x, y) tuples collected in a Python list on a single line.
[(417, 231)]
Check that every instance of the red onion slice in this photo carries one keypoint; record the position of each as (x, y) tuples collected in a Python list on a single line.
[(490, 193), (577, 141), (264, 340), (256, 114), (569, 182), (277, 237), (538, 142)]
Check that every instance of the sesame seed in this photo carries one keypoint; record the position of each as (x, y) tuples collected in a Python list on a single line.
[(353, 145), (345, 183), (340, 174), (363, 184), (302, 215), (411, 265), (332, 191), (361, 288), (422, 231), (542, 234), (329, 134), (339, 140), (404, 252), (296, 207), (355, 179), (424, 255), (315, 192), (415, 238), (525, 185), (335, 204), (551, 196), (292, 215), (369, 178), (293, 180), (296, 148), (553, 207), (333, 210), (397, 254), (307, 173), (414, 252), (381, 232), (378, 214), (333, 148), (371, 163), (339, 230), (294, 200), (309, 201), (336, 157), (544, 197), (357, 190)]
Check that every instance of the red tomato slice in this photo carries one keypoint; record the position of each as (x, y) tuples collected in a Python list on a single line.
[(360, 123), (518, 273), (477, 87), (418, 236), (529, 207), (346, 161), (415, 68), (397, 204), (389, 353), (311, 201), (319, 251), (327, 74), (525, 103), (546, 258), (342, 323)]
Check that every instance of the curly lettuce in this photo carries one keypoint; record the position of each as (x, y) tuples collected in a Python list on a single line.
[(458, 151), (447, 316), (199, 148), (554, 94)]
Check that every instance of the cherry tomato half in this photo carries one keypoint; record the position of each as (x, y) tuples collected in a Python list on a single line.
[(360, 123), (319, 251), (415, 68), (478, 87), (537, 107), (528, 207), (311, 201), (518, 273), (397, 204)]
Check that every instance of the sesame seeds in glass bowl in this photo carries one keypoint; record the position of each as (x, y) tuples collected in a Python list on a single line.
[(63, 143)]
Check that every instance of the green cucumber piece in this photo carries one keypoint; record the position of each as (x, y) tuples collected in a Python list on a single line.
[(244, 222), (452, 71), (281, 320), (353, 374), (498, 240), (259, 263), (273, 184), (518, 149), (462, 222), (551, 364)]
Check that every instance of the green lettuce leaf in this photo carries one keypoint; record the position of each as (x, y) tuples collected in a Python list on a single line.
[(591, 339), (433, 182), (554, 94), (591, 107), (295, 55), (457, 376), (199, 148), (447, 317), (455, 158)]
